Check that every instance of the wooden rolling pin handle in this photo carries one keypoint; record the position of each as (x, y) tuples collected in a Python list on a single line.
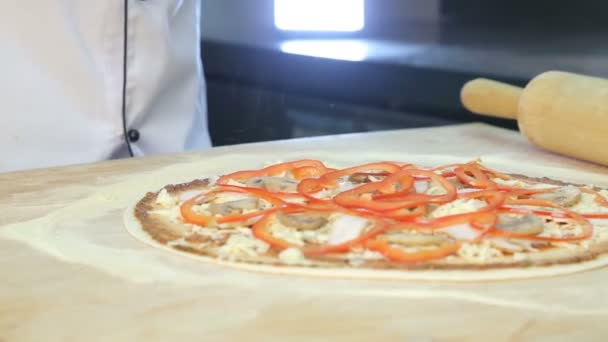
[(491, 98)]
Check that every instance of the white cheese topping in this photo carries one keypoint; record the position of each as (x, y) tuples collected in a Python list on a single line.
[(505, 244), (165, 199), (435, 189), (316, 236), (520, 256), (521, 184), (292, 256), (242, 245), (421, 186), (326, 193), (511, 182), (345, 186), (602, 223), (202, 208), (179, 242), (587, 204), (552, 229), (478, 252), (290, 235), (213, 233), (461, 232), (459, 206), (224, 197), (234, 183), (600, 233), (173, 214), (357, 259)]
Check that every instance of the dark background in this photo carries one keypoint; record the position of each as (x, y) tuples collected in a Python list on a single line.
[(420, 53)]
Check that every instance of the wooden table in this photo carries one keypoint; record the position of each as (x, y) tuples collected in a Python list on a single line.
[(70, 272)]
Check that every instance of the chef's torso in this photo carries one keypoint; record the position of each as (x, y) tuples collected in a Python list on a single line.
[(83, 81)]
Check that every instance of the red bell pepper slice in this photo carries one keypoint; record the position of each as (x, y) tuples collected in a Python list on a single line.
[(304, 166), (399, 255), (330, 180)]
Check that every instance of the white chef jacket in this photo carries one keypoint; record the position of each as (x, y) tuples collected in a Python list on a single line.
[(84, 80)]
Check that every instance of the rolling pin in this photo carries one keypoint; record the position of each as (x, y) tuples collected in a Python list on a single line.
[(561, 112)]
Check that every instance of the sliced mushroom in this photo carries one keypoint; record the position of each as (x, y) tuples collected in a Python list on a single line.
[(275, 184), (527, 224), (413, 239), (359, 178), (231, 207), (566, 196), (303, 221), (366, 177)]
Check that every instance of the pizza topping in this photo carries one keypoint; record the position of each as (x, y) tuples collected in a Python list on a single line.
[(346, 228), (165, 199), (242, 245), (292, 256), (290, 236), (516, 183), (462, 232), (601, 197), (565, 196), (199, 239), (273, 184), (359, 178), (421, 186), (459, 206), (225, 196), (396, 253), (413, 239), (479, 252), (232, 207), (511, 246), (602, 223), (435, 189), (527, 224), (460, 187), (331, 179), (263, 230), (556, 230), (212, 233), (172, 213), (589, 203), (319, 236), (474, 176), (360, 257), (190, 215), (401, 212), (303, 221), (300, 169)]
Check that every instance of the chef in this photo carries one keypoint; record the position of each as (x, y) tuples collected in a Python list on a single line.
[(84, 81)]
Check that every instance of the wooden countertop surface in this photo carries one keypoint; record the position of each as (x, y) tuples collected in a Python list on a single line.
[(71, 272)]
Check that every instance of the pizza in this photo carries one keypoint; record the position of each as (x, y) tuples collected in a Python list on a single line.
[(392, 219)]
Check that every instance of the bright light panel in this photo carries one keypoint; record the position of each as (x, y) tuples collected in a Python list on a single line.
[(319, 15)]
